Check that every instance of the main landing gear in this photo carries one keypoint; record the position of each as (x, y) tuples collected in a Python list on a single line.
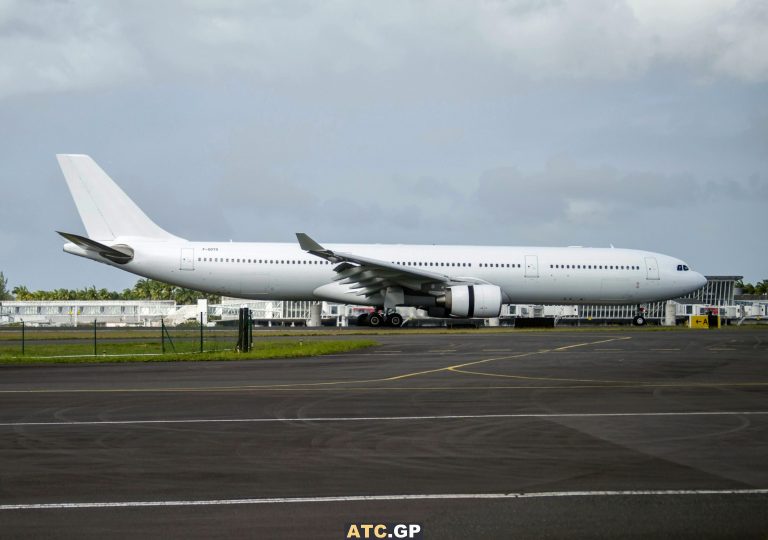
[(639, 318), (377, 319)]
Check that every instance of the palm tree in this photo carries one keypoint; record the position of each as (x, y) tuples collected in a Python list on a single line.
[(4, 288), (20, 292)]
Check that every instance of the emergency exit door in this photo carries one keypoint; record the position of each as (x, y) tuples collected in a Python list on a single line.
[(531, 266), (187, 259), (651, 268)]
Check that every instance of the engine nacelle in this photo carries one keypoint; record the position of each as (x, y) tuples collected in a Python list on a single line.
[(467, 301)]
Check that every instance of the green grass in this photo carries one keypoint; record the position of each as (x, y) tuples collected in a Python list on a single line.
[(186, 339), (14, 333), (150, 352)]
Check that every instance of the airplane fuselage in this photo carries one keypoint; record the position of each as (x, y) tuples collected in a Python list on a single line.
[(284, 271)]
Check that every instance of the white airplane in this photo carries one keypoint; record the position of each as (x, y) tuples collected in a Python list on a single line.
[(446, 281)]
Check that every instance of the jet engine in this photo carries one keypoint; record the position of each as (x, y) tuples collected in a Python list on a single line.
[(467, 301)]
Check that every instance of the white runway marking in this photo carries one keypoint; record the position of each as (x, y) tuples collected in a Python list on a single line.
[(377, 418), (374, 498)]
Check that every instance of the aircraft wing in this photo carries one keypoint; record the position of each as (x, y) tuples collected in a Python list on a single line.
[(371, 276)]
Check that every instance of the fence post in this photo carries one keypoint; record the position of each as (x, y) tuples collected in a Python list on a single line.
[(168, 335), (94, 337), (201, 331), (244, 330), (250, 330), (162, 335), (23, 337), (240, 330)]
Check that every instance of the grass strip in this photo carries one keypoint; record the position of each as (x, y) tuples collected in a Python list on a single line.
[(14, 335), (129, 352)]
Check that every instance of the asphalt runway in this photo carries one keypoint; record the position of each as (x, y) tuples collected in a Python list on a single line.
[(586, 434)]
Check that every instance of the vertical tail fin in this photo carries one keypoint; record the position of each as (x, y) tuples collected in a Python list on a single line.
[(107, 212)]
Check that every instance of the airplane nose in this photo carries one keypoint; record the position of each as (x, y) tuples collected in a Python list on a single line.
[(700, 280)]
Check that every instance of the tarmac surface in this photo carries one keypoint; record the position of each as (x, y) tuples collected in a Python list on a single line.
[(554, 434)]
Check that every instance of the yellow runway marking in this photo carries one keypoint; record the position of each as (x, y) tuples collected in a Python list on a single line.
[(315, 385), (592, 343), (526, 378)]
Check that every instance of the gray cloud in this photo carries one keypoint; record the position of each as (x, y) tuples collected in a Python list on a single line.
[(575, 194), (54, 45)]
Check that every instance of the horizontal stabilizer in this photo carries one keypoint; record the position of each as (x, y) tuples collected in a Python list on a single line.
[(119, 254)]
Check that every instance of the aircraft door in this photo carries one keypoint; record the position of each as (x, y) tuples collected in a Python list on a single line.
[(187, 259), (531, 266), (651, 268)]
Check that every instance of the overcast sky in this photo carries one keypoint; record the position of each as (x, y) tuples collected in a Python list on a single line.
[(637, 123)]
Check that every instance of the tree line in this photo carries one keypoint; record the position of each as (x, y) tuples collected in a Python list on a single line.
[(145, 289), (747, 288)]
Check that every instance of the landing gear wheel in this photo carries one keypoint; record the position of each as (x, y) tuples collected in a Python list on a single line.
[(374, 320), (639, 320), (395, 320)]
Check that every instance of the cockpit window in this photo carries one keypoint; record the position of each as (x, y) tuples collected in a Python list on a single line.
[(682, 268)]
